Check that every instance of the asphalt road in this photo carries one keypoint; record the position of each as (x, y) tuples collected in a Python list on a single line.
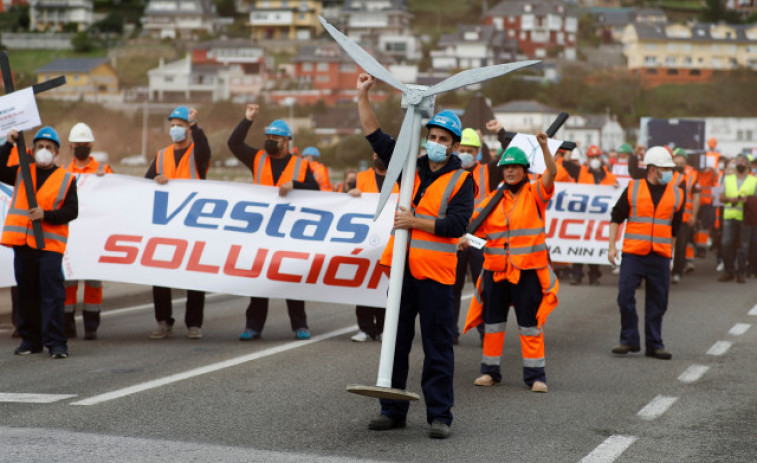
[(125, 398)]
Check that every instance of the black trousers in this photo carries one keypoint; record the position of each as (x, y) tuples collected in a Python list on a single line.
[(370, 320), (257, 312), (473, 259), (164, 310), (679, 256)]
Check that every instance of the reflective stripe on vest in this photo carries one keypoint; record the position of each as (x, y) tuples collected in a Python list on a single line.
[(186, 169), (262, 177), (482, 179), (646, 234)]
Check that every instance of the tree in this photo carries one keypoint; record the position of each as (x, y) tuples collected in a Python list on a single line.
[(114, 22), (225, 8), (82, 42)]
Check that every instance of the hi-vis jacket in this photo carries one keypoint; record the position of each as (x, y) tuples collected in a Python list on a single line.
[(650, 228), (295, 170), (366, 182), (17, 230), (687, 180), (515, 241), (93, 167), (431, 256), (165, 164), (587, 178), (732, 190), (481, 175)]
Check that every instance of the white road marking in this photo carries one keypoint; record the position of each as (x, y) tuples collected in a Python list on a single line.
[(149, 305), (609, 450), (753, 311), (656, 407), (693, 373), (141, 387), (720, 348), (466, 297), (28, 398), (739, 328)]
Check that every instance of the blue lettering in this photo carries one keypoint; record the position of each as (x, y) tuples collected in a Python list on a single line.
[(359, 230), (559, 200), (240, 213), (218, 208), (578, 204), (160, 207), (321, 226), (277, 216), (600, 204)]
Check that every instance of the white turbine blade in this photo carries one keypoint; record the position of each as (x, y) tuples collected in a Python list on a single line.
[(475, 76), (402, 150), (363, 58)]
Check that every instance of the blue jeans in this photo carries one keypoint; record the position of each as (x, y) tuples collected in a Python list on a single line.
[(736, 238)]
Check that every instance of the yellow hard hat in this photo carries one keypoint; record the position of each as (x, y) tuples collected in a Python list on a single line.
[(470, 138)]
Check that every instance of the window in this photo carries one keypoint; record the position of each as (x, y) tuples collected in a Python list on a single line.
[(670, 61), (695, 72), (672, 72), (717, 63), (322, 67), (347, 67), (322, 79), (168, 79), (650, 60), (650, 46), (739, 135), (651, 71), (715, 48), (687, 61), (76, 78), (748, 135), (307, 67)]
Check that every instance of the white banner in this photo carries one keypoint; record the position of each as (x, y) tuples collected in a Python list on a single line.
[(6, 254), (578, 223), (530, 145), (18, 110), (230, 238)]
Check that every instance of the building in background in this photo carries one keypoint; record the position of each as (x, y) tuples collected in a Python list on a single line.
[(183, 19), (89, 79), (53, 15), (285, 19), (473, 46), (382, 24)]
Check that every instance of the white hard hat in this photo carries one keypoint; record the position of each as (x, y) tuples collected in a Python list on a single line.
[(658, 156), (81, 133)]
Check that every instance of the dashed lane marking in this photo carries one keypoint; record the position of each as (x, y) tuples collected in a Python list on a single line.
[(609, 450), (739, 328), (753, 311), (719, 348), (657, 407), (693, 374), (28, 398), (141, 387)]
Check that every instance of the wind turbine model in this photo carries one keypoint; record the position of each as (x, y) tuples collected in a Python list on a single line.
[(419, 101)]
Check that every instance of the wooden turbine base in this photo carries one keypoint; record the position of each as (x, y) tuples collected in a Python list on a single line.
[(378, 392)]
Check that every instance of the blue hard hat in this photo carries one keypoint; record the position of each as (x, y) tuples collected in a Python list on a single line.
[(47, 133), (311, 151), (449, 121), (279, 127), (182, 112)]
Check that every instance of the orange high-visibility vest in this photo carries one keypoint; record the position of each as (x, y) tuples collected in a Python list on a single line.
[(92, 167), (295, 170), (650, 228), (321, 174), (514, 230), (586, 177), (165, 164), (708, 178), (18, 231), (687, 180), (481, 176), (366, 182), (13, 157), (562, 173), (430, 256)]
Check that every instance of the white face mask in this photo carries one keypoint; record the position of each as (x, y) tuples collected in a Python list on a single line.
[(466, 159), (43, 157), (595, 163)]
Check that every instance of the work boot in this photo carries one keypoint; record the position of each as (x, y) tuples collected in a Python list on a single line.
[(623, 349), (438, 430), (69, 325), (661, 354), (384, 423), (539, 386), (91, 323)]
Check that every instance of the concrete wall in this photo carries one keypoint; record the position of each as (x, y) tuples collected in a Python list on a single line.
[(24, 41)]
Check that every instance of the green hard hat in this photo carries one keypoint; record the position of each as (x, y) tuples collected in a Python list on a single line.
[(625, 148), (514, 155), (679, 152)]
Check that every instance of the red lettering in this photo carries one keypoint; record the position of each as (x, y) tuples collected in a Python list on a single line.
[(278, 257), (194, 264), (362, 269), (603, 231), (180, 248), (130, 252), (315, 269), (379, 270), (230, 268), (589, 228), (564, 226), (551, 228)]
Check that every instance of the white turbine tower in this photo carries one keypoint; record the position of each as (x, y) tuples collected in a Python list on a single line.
[(419, 101)]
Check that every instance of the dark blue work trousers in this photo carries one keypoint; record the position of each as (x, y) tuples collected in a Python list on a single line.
[(41, 297), (432, 301), (655, 269)]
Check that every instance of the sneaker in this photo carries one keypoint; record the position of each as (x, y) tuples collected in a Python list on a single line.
[(720, 267), (249, 335), (58, 352), (361, 336), (302, 333), (676, 279), (661, 354), (194, 332), (90, 335), (539, 386), (162, 331), (615, 270), (623, 349), (485, 381), (384, 423), (26, 350), (690, 267), (438, 430)]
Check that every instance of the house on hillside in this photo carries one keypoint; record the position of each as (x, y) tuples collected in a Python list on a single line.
[(611, 22), (525, 116), (285, 20), (89, 79), (542, 27), (183, 19), (473, 46), (242, 64), (336, 123), (52, 15), (382, 24), (593, 129), (678, 53), (745, 8)]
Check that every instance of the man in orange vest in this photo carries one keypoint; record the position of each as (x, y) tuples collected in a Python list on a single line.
[(442, 204), (708, 178), (273, 166), (370, 320), (80, 141), (320, 171), (686, 177), (516, 268), (37, 266), (184, 159), (654, 209)]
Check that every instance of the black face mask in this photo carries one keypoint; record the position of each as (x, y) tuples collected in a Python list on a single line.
[(741, 168), (82, 152), (271, 147), (517, 186)]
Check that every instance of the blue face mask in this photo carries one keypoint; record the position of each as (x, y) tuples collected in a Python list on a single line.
[(436, 152), (666, 177), (178, 134), (480, 156), (466, 159)]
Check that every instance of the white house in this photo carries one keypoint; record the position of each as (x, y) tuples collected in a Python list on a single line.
[(52, 15), (472, 46), (181, 81), (383, 24), (180, 18), (593, 129)]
